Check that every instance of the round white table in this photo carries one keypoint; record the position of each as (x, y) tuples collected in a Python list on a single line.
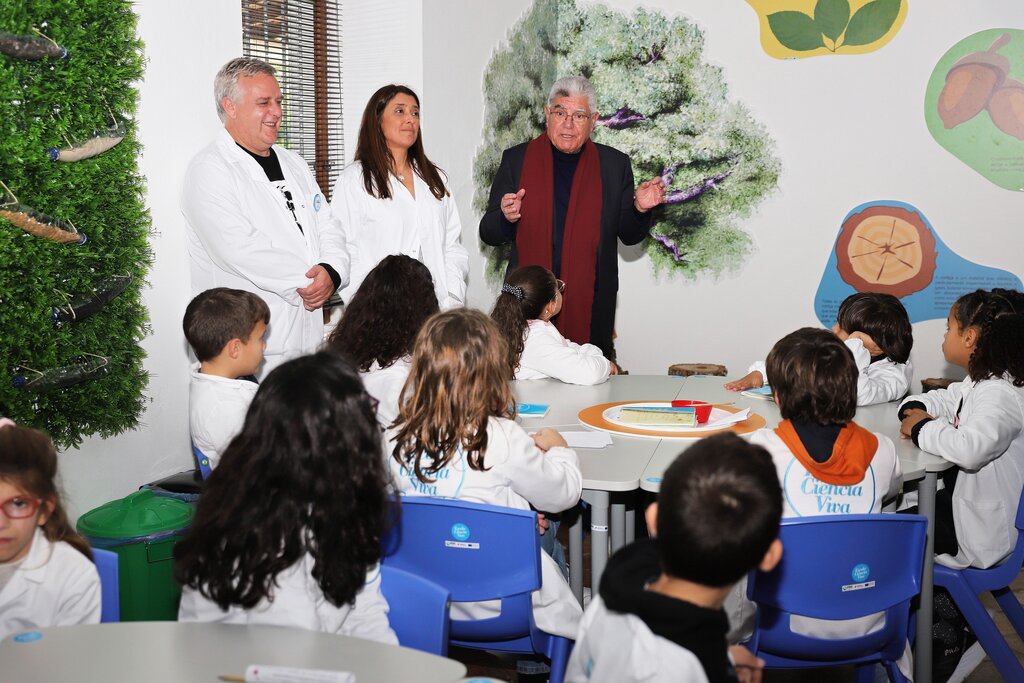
[(172, 652)]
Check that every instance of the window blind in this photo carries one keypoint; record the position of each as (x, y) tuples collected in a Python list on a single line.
[(302, 40)]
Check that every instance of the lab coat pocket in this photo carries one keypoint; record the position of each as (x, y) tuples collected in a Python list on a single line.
[(982, 526)]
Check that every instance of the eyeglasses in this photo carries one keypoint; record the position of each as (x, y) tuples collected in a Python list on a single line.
[(560, 285), (20, 507), (578, 117)]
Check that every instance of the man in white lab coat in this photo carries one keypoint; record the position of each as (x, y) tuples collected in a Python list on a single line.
[(256, 219)]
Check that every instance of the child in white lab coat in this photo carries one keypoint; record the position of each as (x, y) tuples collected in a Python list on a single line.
[(977, 424), (876, 329), (288, 530), (379, 327), (455, 437), (47, 577), (529, 299)]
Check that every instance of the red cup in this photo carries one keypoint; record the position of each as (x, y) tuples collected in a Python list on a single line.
[(701, 408)]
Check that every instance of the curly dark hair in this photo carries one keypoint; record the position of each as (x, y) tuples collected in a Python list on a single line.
[(512, 315), (386, 313), (305, 475), (883, 318), (998, 315)]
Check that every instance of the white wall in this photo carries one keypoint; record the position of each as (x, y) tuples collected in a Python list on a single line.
[(848, 129), (176, 118)]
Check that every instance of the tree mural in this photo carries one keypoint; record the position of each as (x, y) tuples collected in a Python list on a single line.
[(660, 103), (73, 228)]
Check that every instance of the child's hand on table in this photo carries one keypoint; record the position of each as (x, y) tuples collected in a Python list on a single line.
[(547, 438), (754, 380), (613, 369), (910, 418)]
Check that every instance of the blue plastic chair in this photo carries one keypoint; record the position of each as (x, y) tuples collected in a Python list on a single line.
[(479, 552), (965, 586), (202, 462), (418, 610), (840, 567), (110, 597)]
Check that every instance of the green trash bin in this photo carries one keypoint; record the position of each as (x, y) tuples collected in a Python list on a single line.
[(142, 529)]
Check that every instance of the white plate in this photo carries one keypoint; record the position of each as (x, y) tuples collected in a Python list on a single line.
[(717, 420)]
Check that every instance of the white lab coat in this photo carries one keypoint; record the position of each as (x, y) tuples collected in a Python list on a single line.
[(241, 234), (546, 353), (518, 474), (55, 585), (878, 382), (989, 447), (385, 385), (299, 602), (628, 652), (216, 411), (424, 228)]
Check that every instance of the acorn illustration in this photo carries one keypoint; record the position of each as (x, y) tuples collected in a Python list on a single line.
[(971, 81), (1006, 107)]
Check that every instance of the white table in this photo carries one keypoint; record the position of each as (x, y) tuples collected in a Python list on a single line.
[(616, 468), (916, 464), (171, 652)]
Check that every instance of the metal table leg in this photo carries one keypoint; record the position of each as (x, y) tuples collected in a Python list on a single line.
[(923, 648), (599, 503), (631, 521), (576, 557), (618, 526)]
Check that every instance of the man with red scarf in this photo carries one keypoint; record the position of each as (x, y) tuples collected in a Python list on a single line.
[(564, 201)]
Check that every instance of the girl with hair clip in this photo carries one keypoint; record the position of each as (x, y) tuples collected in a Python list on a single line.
[(288, 531), (393, 200), (47, 577), (379, 326), (530, 297), (876, 329), (978, 425), (455, 437)]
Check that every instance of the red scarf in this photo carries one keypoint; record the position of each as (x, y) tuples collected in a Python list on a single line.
[(851, 456), (582, 230)]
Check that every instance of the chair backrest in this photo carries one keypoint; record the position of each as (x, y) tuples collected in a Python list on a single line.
[(840, 567), (110, 596), (202, 462), (418, 610), (478, 552)]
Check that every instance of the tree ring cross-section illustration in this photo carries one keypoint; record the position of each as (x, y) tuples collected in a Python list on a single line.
[(886, 249)]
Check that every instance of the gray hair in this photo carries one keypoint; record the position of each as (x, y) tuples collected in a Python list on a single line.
[(573, 86), (225, 84)]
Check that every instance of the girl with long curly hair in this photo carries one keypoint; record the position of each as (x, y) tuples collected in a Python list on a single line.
[(379, 327), (288, 531), (455, 437)]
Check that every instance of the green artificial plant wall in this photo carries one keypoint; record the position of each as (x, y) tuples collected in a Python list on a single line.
[(56, 102)]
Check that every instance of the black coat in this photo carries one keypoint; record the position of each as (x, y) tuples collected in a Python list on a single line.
[(619, 220)]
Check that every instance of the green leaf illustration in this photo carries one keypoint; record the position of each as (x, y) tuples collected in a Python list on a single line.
[(795, 30), (872, 21), (831, 17)]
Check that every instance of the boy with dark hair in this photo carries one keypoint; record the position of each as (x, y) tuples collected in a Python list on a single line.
[(826, 463), (659, 613), (226, 330)]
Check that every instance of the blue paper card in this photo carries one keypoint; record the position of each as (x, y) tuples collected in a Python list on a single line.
[(532, 409)]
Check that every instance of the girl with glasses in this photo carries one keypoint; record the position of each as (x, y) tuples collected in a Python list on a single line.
[(47, 577), (529, 299)]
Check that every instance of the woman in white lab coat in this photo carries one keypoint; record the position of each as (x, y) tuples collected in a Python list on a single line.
[(393, 199), (288, 530), (47, 577)]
